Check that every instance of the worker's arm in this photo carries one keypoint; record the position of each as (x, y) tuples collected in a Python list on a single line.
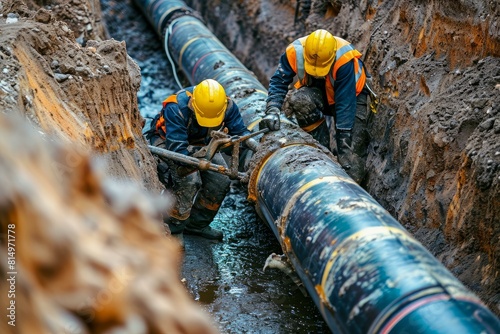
[(278, 85), (345, 97), (234, 122), (176, 138)]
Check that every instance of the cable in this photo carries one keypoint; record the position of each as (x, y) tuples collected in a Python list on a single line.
[(167, 34)]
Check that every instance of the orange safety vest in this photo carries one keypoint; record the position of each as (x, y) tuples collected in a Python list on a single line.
[(160, 122), (345, 53)]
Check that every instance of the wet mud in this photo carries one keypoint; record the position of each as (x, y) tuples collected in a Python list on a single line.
[(228, 281)]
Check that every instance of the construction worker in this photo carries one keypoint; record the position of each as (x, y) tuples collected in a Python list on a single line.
[(331, 81), (183, 126)]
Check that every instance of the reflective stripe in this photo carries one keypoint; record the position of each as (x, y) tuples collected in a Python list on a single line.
[(356, 69), (344, 54), (343, 50), (299, 58), (208, 205), (338, 63), (313, 126)]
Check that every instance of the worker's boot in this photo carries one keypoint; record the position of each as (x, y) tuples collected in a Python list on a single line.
[(199, 223), (207, 203), (184, 190)]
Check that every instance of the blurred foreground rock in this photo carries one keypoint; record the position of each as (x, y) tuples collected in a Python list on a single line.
[(90, 256), (78, 186)]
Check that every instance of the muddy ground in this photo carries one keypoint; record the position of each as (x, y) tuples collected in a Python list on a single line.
[(434, 157)]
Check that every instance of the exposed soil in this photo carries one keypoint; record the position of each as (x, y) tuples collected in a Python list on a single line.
[(434, 160)]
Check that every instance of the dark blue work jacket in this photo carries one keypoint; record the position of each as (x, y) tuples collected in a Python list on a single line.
[(177, 123)]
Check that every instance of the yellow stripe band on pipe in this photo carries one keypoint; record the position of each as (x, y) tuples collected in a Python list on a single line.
[(163, 16), (184, 47), (369, 231)]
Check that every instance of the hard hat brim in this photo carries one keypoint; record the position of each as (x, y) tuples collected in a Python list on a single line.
[(316, 71), (210, 122)]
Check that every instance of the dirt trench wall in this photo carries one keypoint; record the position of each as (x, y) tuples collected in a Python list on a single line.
[(86, 95), (434, 159)]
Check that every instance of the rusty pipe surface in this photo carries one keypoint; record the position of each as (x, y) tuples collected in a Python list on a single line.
[(364, 271)]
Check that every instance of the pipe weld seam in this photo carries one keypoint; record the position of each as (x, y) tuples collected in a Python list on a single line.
[(283, 219), (163, 17), (364, 233)]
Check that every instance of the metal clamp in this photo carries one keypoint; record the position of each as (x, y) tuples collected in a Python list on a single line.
[(374, 99)]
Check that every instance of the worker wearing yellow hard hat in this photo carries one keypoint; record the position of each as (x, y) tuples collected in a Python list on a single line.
[(330, 81), (209, 103), (183, 126)]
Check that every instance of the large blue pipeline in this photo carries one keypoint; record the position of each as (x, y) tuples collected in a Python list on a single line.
[(364, 271)]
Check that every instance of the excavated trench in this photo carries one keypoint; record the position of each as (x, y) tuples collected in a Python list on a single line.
[(434, 163), (214, 292), (227, 278)]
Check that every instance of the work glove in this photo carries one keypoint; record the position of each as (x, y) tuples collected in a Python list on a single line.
[(272, 119)]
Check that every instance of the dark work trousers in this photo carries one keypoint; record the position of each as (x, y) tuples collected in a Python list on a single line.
[(198, 194), (360, 138)]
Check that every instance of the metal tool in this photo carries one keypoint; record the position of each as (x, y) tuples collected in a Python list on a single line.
[(196, 162), (374, 99), (201, 158)]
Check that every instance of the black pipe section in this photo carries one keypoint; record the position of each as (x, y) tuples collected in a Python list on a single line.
[(364, 271), (368, 273)]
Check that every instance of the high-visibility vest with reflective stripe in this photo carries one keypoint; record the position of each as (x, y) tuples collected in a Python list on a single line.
[(345, 53), (160, 126)]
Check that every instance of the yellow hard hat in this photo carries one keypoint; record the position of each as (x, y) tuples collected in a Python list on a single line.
[(319, 53), (209, 103)]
